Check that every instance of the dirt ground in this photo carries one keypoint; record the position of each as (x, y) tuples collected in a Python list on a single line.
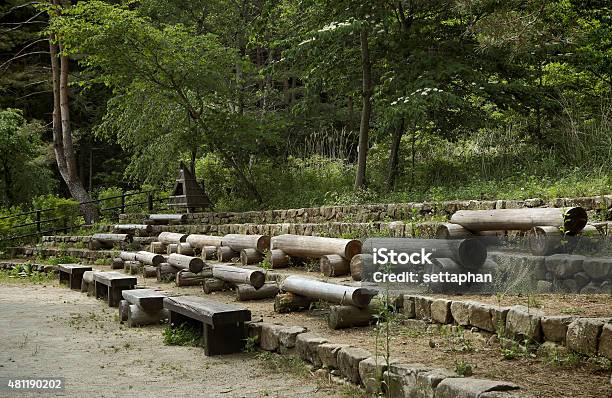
[(535, 374), (50, 331)]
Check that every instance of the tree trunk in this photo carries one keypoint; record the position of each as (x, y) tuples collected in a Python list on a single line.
[(233, 274), (193, 264), (333, 265), (334, 293), (62, 133), (394, 155), (346, 316), (237, 242), (246, 292), (366, 110), (315, 246), (289, 302)]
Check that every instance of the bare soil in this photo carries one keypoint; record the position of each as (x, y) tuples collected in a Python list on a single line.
[(535, 374), (48, 331)]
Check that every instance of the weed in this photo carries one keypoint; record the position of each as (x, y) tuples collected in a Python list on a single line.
[(103, 261), (463, 368), (509, 353), (571, 311), (184, 335), (283, 363), (557, 359), (251, 344)]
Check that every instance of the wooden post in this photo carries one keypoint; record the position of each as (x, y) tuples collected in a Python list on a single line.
[(150, 271), (346, 316), (172, 248), (117, 263), (166, 272), (340, 294), (334, 265), (225, 254), (250, 256), (278, 258), (210, 285), (158, 248), (132, 267), (124, 306), (246, 292), (209, 252), (357, 264), (185, 249), (186, 278), (289, 302), (138, 317)]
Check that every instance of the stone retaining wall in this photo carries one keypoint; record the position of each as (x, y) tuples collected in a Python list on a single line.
[(358, 366), (382, 212), (588, 336)]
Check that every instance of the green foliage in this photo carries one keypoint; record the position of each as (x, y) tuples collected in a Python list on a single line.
[(463, 368), (22, 160), (184, 335), (61, 259), (26, 273)]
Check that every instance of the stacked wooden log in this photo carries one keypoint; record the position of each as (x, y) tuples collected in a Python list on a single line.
[(142, 307), (249, 248), (548, 229), (165, 219), (133, 229), (108, 241), (334, 254)]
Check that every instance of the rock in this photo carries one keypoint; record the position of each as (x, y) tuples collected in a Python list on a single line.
[(564, 265), (268, 338), (493, 340), (605, 342), (524, 323), (598, 268), (328, 354), (583, 334), (415, 325), (544, 286), (480, 316), (408, 308), (427, 382), (498, 316), (440, 311), (549, 348), (461, 312), (592, 288), (348, 362), (401, 379), (471, 388), (422, 307), (582, 279), (371, 373), (306, 345), (554, 328), (288, 334), (569, 286)]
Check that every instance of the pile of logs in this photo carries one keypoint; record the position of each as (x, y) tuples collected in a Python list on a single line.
[(249, 248), (334, 254), (352, 306), (548, 230)]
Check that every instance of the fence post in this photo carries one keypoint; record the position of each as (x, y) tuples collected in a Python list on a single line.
[(38, 229), (122, 202), (150, 201)]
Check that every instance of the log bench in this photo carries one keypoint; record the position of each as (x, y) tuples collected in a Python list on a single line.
[(109, 285), (73, 274), (222, 325), (145, 307)]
